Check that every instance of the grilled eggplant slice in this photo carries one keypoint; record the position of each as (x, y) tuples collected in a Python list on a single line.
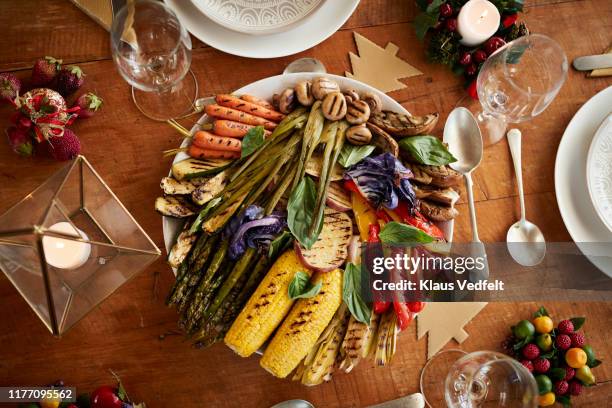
[(444, 196), (401, 125), (208, 190), (174, 206), (192, 168), (437, 212), (383, 140)]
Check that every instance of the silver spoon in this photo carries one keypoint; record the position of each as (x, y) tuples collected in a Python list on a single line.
[(295, 403), (305, 65), (462, 134), (525, 241)]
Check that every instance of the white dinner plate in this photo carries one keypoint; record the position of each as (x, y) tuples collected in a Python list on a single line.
[(599, 171), (305, 34), (264, 89), (577, 210)]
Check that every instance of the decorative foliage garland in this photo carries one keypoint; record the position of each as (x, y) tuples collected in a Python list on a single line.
[(439, 19)]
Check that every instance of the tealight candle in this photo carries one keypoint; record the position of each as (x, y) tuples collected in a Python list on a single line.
[(63, 253), (477, 21)]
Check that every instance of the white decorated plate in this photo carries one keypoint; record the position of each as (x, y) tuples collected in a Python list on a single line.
[(302, 35), (599, 171), (577, 210), (264, 89), (256, 16)]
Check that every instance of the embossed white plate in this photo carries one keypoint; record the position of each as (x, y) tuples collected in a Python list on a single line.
[(599, 171), (256, 16)]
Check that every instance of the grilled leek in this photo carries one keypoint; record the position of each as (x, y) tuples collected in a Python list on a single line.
[(357, 342)]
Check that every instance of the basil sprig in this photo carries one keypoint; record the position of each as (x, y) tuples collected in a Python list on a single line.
[(427, 150), (401, 234), (351, 154), (300, 211), (301, 287), (252, 141), (352, 294)]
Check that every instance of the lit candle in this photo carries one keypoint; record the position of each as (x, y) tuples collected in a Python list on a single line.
[(63, 253), (478, 20)]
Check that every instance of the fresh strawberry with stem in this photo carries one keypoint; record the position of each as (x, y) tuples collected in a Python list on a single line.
[(89, 103), (64, 147), (10, 86), (69, 80), (20, 141), (45, 70)]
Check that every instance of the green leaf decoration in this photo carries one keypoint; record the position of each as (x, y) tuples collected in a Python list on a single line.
[(397, 233), (301, 287), (563, 400), (423, 22), (595, 363), (351, 154), (434, 6), (578, 322), (280, 244), (556, 374), (252, 141), (427, 150), (352, 294), (541, 312), (300, 211)]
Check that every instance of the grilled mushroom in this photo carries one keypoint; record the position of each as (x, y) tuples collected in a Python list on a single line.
[(323, 86), (398, 124), (334, 106), (444, 196), (351, 95), (437, 212), (357, 112), (303, 91), (358, 135), (374, 101), (440, 176), (381, 139), (287, 101)]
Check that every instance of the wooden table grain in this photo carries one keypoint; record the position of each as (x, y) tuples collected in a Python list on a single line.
[(123, 334)]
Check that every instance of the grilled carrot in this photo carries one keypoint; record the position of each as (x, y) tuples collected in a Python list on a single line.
[(199, 153), (230, 128), (208, 141), (248, 107), (257, 101), (222, 112)]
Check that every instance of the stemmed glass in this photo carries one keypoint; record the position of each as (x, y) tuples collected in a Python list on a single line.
[(517, 83), (152, 52), (456, 379)]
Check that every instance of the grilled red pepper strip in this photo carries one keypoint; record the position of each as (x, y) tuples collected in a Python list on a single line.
[(418, 220), (379, 306), (416, 307), (404, 315)]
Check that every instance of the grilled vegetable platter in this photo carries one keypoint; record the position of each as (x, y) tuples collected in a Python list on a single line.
[(267, 204)]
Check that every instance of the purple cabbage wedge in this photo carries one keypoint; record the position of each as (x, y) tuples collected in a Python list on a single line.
[(383, 180), (251, 229)]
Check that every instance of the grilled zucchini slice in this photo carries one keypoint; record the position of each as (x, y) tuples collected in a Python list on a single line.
[(174, 206), (192, 168)]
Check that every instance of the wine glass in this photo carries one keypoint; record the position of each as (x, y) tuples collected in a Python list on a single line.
[(456, 379), (517, 83), (152, 52)]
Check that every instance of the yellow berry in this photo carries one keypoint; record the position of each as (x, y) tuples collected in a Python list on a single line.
[(547, 399), (575, 357), (543, 324)]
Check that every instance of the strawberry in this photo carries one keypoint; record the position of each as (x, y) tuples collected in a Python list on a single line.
[(65, 147), (531, 352), (45, 70), (566, 326), (528, 365), (575, 388), (569, 373), (10, 86), (69, 80), (541, 365), (20, 141), (563, 341), (578, 339), (561, 387), (89, 104)]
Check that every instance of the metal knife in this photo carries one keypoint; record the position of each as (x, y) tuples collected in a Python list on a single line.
[(593, 62)]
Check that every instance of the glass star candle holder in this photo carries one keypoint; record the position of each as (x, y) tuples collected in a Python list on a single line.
[(70, 244)]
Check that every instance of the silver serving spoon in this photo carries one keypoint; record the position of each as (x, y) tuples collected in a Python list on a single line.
[(296, 403), (305, 65), (525, 241)]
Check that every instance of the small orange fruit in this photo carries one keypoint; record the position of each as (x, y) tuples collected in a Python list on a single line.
[(547, 399), (576, 357), (543, 324)]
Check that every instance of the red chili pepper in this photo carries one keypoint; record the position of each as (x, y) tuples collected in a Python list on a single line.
[(416, 307), (404, 316), (509, 20), (382, 214)]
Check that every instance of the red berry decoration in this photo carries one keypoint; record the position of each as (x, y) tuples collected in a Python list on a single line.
[(569, 373), (575, 388), (507, 21), (69, 80), (20, 141), (578, 340), (566, 326), (561, 387), (465, 58), (105, 397), (531, 352), (88, 104), (541, 365), (472, 90), (446, 10), (479, 56), (471, 70), (528, 365), (493, 44), (10, 86), (451, 24), (45, 70), (563, 341)]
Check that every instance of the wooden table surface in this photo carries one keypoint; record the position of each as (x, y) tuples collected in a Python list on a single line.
[(125, 148)]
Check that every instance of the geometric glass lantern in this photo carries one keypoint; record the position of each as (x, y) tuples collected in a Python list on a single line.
[(70, 244)]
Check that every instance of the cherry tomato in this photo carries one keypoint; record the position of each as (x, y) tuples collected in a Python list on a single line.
[(416, 307), (105, 397)]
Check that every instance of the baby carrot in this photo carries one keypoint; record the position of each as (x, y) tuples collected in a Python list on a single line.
[(248, 107), (199, 153), (257, 101), (230, 128), (208, 141), (222, 112)]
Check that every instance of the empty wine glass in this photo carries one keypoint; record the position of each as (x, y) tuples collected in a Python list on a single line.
[(152, 52), (456, 379), (517, 83)]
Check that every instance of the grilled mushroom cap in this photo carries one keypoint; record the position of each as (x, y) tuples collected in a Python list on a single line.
[(358, 135), (398, 124), (437, 212), (303, 91), (373, 100), (351, 95), (334, 106), (357, 112), (323, 86), (383, 140), (287, 101)]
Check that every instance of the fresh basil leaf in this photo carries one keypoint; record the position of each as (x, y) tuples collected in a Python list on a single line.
[(577, 322), (279, 244), (351, 154), (427, 150), (300, 211), (352, 294), (397, 233), (423, 22), (301, 287), (252, 141)]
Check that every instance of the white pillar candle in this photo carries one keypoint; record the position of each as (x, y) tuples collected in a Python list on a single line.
[(63, 253), (477, 21)]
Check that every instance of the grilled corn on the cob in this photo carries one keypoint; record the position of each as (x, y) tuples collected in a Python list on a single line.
[(267, 307), (303, 326)]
